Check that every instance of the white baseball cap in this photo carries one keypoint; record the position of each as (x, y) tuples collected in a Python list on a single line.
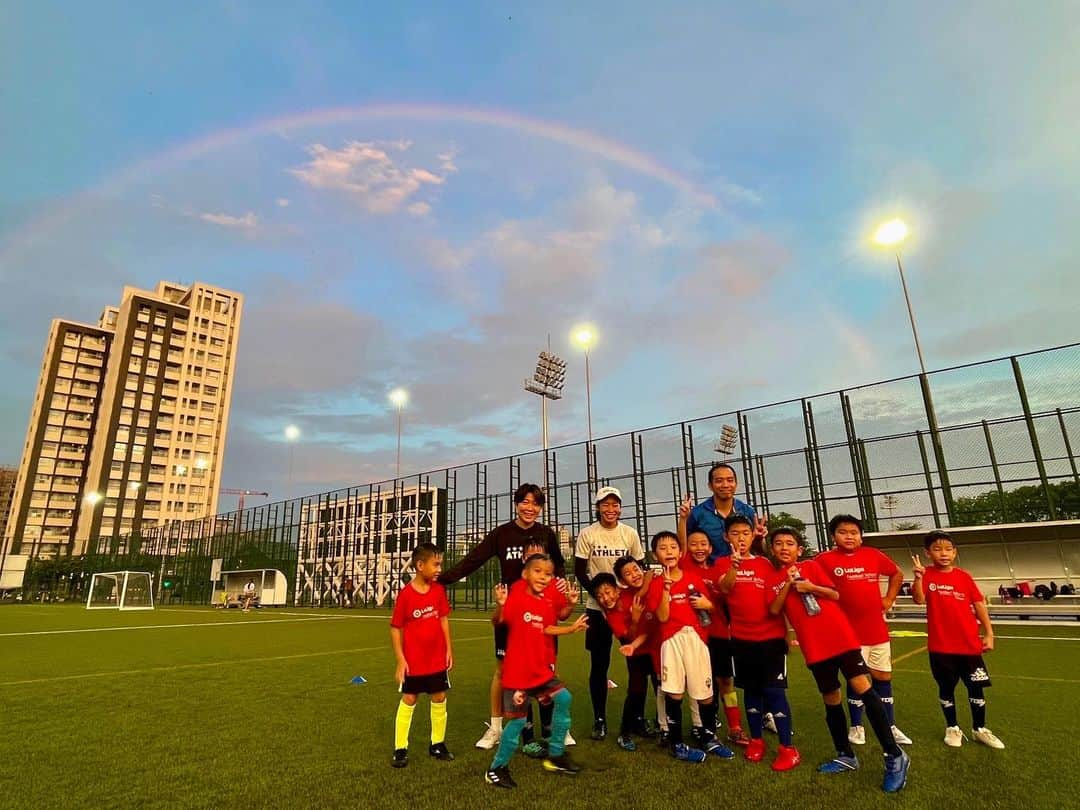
[(606, 492)]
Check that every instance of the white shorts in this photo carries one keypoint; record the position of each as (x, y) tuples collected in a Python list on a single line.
[(878, 656), (685, 667)]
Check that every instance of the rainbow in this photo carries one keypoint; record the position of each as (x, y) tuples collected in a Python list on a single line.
[(582, 140)]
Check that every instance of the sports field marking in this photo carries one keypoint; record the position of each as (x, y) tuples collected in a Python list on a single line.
[(1039, 638), (248, 623), (907, 655), (210, 664)]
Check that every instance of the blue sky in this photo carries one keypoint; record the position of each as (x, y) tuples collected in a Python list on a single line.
[(417, 195)]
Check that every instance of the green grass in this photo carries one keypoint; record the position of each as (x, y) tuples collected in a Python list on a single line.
[(256, 710)]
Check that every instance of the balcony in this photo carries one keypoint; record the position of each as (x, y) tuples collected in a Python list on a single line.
[(88, 376), (68, 488), (72, 454)]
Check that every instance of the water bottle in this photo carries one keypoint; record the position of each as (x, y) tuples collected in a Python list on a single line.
[(810, 602), (702, 614)]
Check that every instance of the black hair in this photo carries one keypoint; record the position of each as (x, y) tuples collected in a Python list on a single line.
[(525, 490), (791, 531), (722, 465), (734, 519), (621, 563), (603, 578), (535, 558), (936, 534), (423, 553), (837, 520), (656, 538)]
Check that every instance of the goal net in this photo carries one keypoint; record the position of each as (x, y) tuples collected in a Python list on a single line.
[(121, 590)]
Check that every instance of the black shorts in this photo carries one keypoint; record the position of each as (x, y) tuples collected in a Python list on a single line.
[(515, 702), (598, 634), (760, 664), (426, 684), (948, 668), (720, 655), (826, 673), (502, 635)]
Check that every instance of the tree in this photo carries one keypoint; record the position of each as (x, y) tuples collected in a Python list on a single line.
[(778, 519)]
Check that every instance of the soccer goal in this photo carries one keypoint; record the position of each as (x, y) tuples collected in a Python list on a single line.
[(121, 590)]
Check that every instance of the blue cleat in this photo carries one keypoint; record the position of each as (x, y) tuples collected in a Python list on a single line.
[(684, 753), (625, 743), (839, 764), (718, 749), (896, 770)]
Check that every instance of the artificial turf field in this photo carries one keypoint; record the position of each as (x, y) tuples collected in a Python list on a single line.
[(207, 708)]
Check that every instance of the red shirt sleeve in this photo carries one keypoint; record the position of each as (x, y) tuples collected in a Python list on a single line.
[(444, 603), (619, 622), (401, 608), (886, 566), (655, 594)]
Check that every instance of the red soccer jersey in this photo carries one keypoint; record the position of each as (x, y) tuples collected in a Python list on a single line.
[(857, 577), (822, 636), (950, 615), (558, 602), (417, 616), (528, 662), (748, 600), (719, 627), (681, 613), (619, 620)]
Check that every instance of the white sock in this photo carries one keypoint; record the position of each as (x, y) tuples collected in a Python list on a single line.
[(695, 713), (496, 723)]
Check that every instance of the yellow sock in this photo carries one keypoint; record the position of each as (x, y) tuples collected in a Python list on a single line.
[(402, 724), (438, 722), (731, 699)]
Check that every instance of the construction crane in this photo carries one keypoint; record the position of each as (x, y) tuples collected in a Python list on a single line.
[(243, 493)]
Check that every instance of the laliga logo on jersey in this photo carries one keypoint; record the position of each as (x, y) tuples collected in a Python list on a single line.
[(416, 614), (528, 617), (838, 571), (933, 586)]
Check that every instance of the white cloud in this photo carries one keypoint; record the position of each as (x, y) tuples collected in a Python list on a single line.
[(247, 222), (282, 202), (369, 173)]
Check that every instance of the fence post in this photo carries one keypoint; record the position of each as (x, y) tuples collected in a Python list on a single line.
[(1034, 436)]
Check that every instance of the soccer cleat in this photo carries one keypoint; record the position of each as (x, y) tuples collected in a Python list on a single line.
[(569, 740), (490, 738), (987, 738), (900, 737), (698, 736), (841, 763), (535, 749), (787, 757), (684, 753), (401, 758), (736, 736), (954, 737), (896, 770), (663, 740), (718, 749), (769, 722), (440, 752), (857, 735), (625, 743), (755, 751), (599, 730), (645, 730), (500, 777), (561, 764)]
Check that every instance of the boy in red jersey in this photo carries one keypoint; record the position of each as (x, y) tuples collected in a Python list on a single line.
[(953, 603), (678, 598), (626, 620), (805, 594), (645, 653), (528, 668), (698, 550), (420, 634), (856, 570), (758, 640)]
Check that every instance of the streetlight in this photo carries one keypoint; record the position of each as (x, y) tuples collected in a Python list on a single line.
[(892, 234), (399, 397), (292, 433), (547, 382), (585, 336)]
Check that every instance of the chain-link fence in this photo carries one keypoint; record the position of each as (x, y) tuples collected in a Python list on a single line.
[(990, 442)]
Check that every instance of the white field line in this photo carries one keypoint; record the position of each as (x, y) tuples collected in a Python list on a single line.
[(211, 664), (250, 623)]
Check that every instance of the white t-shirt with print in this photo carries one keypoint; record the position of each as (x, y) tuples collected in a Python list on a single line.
[(602, 547)]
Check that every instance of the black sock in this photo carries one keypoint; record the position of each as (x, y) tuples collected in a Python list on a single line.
[(674, 719), (948, 708), (708, 716), (978, 707), (837, 723), (879, 722)]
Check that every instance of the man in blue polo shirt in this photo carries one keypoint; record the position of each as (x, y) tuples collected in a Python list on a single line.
[(708, 516)]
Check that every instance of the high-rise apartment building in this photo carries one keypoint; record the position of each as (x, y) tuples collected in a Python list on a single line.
[(129, 423), (7, 490)]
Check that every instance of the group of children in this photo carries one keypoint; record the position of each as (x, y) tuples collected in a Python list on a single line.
[(702, 629)]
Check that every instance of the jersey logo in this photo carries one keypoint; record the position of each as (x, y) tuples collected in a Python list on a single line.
[(933, 586), (416, 614)]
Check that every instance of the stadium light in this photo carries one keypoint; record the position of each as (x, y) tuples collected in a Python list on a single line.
[(399, 397), (585, 337), (892, 234), (547, 383), (725, 442)]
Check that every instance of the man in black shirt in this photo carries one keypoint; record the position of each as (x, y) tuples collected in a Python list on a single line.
[(509, 542)]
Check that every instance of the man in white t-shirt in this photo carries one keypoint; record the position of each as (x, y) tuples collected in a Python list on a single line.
[(599, 545), (249, 594)]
